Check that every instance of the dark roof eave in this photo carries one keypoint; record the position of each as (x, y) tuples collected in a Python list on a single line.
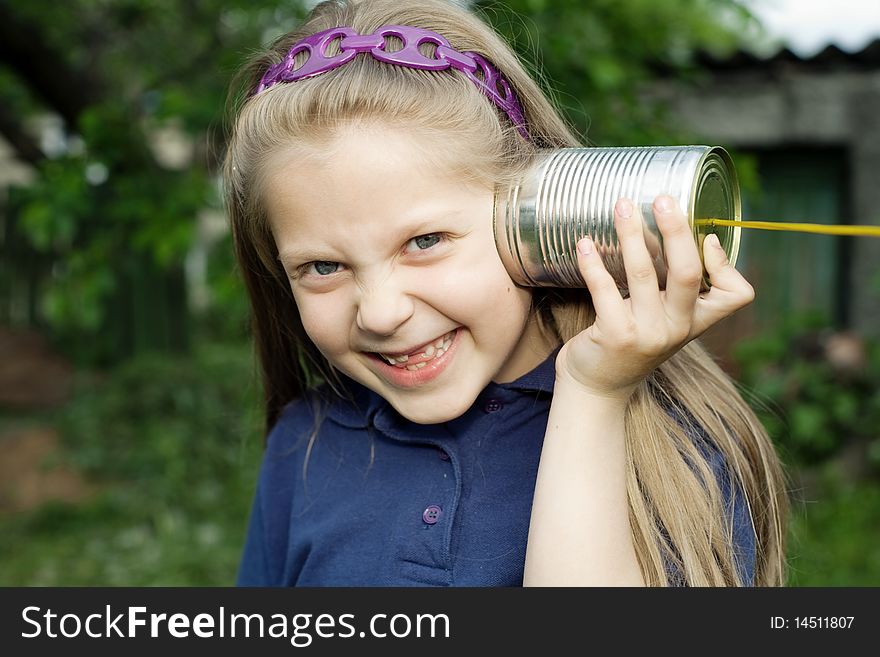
[(829, 57)]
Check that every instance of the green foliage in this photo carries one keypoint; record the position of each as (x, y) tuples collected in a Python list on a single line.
[(109, 220), (834, 534), (160, 418), (813, 406), (227, 317), (597, 55), (172, 445)]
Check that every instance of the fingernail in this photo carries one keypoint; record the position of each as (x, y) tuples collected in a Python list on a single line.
[(624, 208), (663, 204), (713, 240), (585, 246)]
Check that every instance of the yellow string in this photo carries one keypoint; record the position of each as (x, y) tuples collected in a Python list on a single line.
[(865, 231)]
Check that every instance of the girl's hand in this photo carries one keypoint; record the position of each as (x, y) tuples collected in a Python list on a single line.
[(632, 336)]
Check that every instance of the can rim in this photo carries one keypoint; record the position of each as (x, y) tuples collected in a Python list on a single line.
[(716, 167)]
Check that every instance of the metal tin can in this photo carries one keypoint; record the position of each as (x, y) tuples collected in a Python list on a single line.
[(570, 193)]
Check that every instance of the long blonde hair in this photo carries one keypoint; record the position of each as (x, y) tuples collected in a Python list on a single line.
[(677, 510)]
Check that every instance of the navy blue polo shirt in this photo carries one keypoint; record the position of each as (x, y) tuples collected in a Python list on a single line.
[(387, 502)]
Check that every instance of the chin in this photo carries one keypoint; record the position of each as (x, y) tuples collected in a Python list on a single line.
[(435, 414)]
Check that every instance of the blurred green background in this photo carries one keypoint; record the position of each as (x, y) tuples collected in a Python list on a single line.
[(130, 427)]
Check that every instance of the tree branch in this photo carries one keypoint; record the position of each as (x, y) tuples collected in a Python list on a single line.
[(25, 147), (45, 70)]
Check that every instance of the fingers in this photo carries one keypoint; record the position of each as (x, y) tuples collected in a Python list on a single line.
[(685, 271), (680, 312), (730, 290), (641, 278), (609, 305)]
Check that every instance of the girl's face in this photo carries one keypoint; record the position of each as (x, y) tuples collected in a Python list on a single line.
[(390, 260)]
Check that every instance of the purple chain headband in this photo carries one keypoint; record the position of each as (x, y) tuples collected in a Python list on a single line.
[(492, 84)]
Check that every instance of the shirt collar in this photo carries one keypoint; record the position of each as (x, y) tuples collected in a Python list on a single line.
[(358, 411), (540, 379)]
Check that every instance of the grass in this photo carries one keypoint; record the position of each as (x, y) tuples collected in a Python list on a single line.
[(835, 533), (173, 447)]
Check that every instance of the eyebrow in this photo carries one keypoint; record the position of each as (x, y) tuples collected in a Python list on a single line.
[(415, 229)]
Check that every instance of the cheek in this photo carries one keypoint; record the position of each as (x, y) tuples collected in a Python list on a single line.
[(513, 305), (478, 288), (322, 318)]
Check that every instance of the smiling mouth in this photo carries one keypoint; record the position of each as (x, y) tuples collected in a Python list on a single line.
[(417, 361)]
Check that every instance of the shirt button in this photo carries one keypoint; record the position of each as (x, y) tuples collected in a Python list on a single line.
[(432, 514), (442, 454), (493, 405)]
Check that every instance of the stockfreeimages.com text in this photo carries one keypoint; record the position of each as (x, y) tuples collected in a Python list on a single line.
[(300, 629)]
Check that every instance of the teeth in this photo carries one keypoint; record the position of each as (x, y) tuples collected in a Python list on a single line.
[(435, 350)]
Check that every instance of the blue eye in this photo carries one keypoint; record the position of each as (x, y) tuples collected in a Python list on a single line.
[(424, 242), (325, 267)]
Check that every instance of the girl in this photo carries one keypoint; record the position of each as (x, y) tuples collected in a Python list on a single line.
[(430, 422)]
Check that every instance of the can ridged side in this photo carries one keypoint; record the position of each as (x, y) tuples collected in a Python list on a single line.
[(570, 193)]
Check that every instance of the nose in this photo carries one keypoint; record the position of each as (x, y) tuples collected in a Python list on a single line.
[(382, 309)]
